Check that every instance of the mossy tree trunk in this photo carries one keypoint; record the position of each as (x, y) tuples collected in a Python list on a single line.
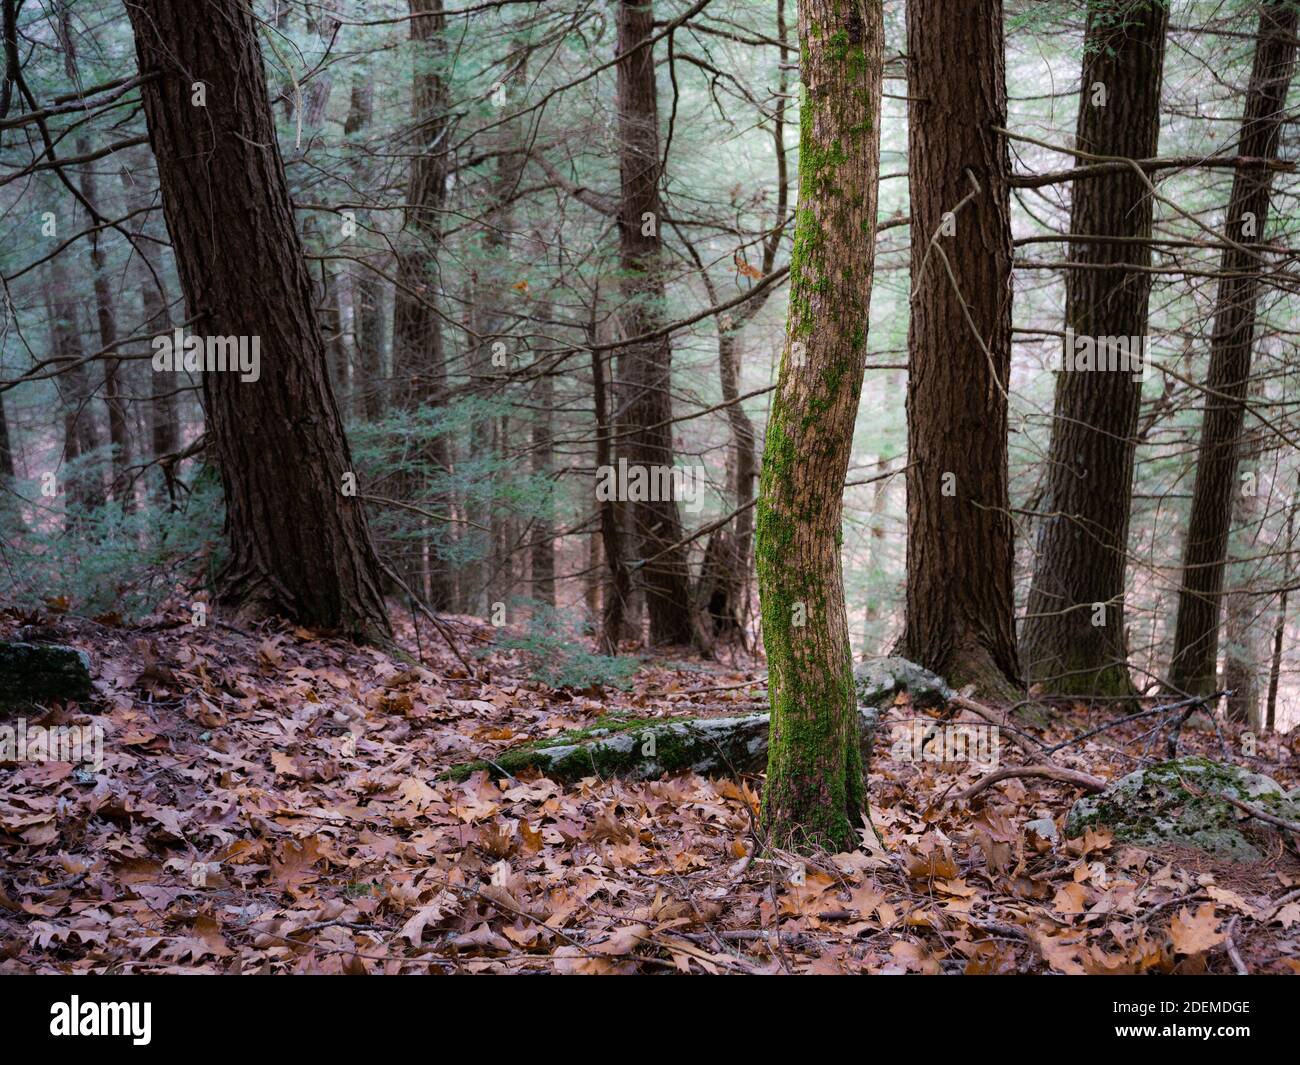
[(1200, 599), (960, 622), (1066, 643), (815, 794)]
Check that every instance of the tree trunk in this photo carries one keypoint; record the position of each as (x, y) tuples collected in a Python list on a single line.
[(1279, 628), (815, 792), (1079, 573), (164, 424), (542, 563), (646, 366), (85, 486), (300, 547), (960, 620), (1196, 634), (619, 589), (419, 364)]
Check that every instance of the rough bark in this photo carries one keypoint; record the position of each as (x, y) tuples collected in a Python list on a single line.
[(646, 366), (960, 620), (1084, 533), (1196, 633), (815, 793), (299, 546)]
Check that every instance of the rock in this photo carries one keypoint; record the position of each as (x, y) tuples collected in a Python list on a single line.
[(880, 679), (1153, 806), (37, 673), (1044, 828), (643, 749)]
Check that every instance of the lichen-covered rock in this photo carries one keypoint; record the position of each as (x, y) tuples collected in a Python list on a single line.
[(880, 679), (1156, 806), (633, 749), (32, 673)]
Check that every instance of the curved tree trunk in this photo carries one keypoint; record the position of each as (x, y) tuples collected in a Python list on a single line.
[(960, 620), (815, 781), (1080, 562), (1196, 634), (299, 546)]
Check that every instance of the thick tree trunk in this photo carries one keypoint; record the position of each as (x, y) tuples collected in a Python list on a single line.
[(815, 792), (646, 366), (299, 546), (1196, 634), (960, 620), (1073, 638), (419, 363)]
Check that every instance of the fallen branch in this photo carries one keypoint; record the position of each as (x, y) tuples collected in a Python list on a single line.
[(1086, 781)]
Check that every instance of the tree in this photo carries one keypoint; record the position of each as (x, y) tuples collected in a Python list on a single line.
[(419, 362), (1083, 539), (960, 621), (1196, 633), (299, 546), (646, 365), (815, 787)]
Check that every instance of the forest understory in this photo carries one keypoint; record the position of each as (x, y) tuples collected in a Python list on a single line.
[(275, 802)]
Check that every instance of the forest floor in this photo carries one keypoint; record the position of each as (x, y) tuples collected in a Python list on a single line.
[(272, 801)]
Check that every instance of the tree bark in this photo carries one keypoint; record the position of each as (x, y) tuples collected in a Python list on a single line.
[(300, 547), (815, 792), (960, 620), (646, 366), (1084, 533), (419, 362), (1196, 633)]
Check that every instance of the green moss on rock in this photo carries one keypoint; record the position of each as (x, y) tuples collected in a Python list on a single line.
[(1157, 805)]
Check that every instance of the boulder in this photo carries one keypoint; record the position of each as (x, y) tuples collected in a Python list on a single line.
[(1157, 805), (32, 674), (879, 680)]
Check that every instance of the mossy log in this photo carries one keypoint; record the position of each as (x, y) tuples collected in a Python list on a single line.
[(645, 748), (31, 674)]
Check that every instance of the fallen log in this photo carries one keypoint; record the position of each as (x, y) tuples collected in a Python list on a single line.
[(646, 748)]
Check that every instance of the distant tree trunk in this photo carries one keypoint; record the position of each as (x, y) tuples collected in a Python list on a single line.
[(1279, 628), (1244, 636), (299, 546), (960, 620), (419, 363), (619, 589), (1196, 634), (164, 423), (84, 489), (646, 366), (1082, 545), (368, 334), (543, 534), (105, 312), (815, 793)]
